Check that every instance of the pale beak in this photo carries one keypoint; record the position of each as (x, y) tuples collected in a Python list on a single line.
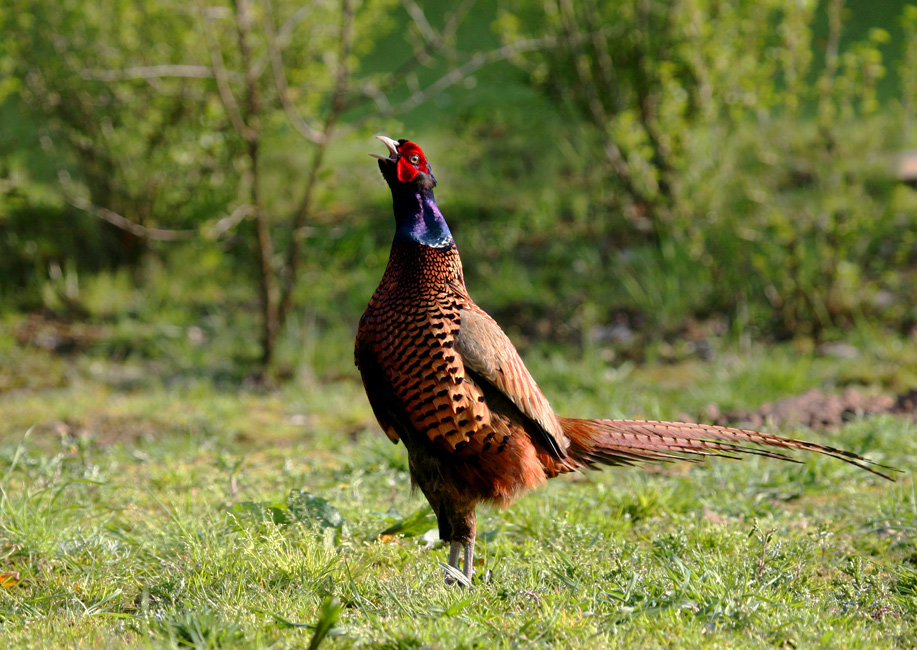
[(392, 149)]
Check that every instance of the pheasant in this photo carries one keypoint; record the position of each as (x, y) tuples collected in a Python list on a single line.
[(442, 377)]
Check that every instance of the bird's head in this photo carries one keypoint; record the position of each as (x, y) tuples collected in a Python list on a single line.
[(405, 166)]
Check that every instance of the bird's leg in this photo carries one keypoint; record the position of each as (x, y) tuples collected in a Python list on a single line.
[(458, 526), (469, 559), (472, 528), (454, 548)]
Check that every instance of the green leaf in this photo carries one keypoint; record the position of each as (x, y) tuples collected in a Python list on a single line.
[(289, 625), (416, 524), (303, 506), (264, 510), (458, 606), (327, 617)]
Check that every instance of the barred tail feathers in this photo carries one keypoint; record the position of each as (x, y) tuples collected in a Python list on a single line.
[(628, 442)]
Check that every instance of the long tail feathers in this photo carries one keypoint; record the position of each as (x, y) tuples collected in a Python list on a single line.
[(626, 442)]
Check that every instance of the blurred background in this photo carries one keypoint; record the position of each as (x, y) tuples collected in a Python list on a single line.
[(185, 190)]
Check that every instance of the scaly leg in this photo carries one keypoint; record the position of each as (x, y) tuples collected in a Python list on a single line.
[(469, 559), (458, 527), (454, 549)]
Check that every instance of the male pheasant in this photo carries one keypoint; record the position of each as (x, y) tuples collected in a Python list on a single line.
[(442, 377)]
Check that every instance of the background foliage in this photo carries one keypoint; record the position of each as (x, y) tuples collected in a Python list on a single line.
[(643, 164)]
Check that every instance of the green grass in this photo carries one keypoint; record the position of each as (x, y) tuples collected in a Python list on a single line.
[(174, 513)]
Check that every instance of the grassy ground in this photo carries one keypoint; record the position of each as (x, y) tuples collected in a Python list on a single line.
[(146, 506)]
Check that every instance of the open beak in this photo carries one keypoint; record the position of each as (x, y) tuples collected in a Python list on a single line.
[(392, 149)]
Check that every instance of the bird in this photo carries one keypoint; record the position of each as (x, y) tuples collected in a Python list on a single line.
[(443, 378)]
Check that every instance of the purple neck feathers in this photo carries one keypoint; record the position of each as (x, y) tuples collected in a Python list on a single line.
[(418, 219)]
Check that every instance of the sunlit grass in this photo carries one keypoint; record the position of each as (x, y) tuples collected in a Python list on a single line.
[(123, 512)]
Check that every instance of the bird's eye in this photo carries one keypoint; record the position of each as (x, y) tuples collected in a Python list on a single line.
[(414, 159)]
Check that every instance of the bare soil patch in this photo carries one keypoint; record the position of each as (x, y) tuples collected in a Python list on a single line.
[(816, 409)]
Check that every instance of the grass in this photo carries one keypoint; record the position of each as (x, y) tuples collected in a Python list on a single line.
[(189, 512)]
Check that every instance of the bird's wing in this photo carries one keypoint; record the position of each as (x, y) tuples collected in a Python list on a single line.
[(488, 353)]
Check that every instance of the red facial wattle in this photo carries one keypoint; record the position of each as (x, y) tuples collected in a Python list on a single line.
[(407, 171)]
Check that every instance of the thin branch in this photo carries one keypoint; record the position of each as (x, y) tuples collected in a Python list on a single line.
[(286, 29), (221, 76), (342, 74), (284, 34), (437, 41), (455, 20), (433, 41), (227, 223), (458, 74), (420, 19), (373, 92), (379, 94), (253, 104), (280, 79), (134, 228), (152, 72)]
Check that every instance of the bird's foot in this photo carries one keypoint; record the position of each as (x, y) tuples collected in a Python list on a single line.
[(454, 574)]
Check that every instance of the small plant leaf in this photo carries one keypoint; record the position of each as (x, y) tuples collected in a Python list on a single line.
[(308, 507), (416, 524), (285, 624), (458, 606), (275, 512), (327, 618)]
